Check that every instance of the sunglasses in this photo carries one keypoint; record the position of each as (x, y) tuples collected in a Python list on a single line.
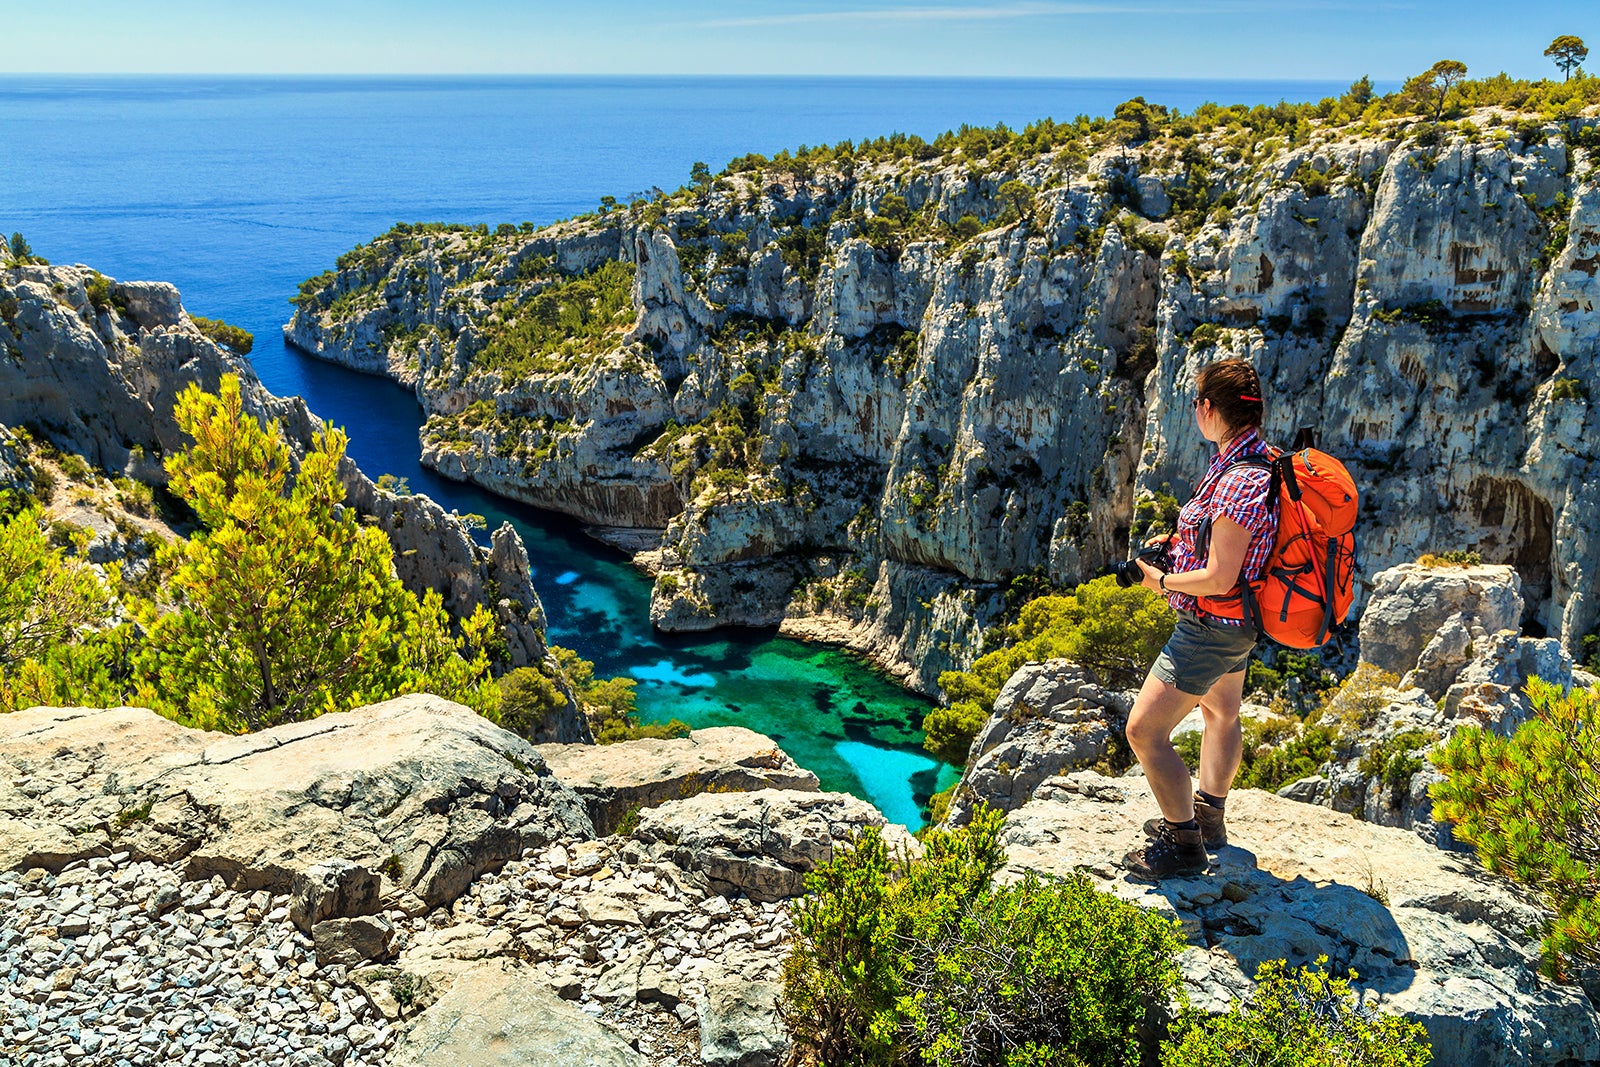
[(1201, 400)]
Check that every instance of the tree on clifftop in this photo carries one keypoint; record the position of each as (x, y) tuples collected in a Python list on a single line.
[(1568, 52), (286, 606), (1431, 88)]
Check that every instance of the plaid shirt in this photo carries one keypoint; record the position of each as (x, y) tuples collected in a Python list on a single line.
[(1241, 495)]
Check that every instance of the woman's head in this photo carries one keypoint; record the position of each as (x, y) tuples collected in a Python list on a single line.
[(1234, 391)]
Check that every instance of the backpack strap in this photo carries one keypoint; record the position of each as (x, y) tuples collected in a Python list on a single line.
[(1202, 539)]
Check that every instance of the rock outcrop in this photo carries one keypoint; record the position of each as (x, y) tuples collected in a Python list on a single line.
[(425, 792), (1050, 718), (94, 365), (861, 399), (616, 779), (760, 844), (1432, 936)]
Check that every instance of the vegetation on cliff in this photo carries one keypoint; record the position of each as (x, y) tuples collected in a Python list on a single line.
[(927, 962), (1530, 803)]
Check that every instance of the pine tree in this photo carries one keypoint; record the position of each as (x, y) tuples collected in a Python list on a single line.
[(1531, 805), (286, 605)]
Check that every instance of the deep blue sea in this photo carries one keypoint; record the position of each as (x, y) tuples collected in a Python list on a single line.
[(238, 188)]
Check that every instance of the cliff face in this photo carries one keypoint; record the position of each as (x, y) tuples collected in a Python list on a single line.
[(862, 397), (95, 366)]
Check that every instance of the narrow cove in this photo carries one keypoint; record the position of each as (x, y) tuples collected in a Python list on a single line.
[(857, 730)]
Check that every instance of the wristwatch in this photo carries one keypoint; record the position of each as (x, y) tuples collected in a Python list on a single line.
[(1163, 582)]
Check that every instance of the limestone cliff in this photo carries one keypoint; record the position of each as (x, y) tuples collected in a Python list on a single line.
[(94, 365), (862, 392)]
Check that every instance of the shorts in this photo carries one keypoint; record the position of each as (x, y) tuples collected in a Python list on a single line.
[(1200, 652)]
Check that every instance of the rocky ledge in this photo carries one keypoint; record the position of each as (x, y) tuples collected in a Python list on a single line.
[(1430, 935)]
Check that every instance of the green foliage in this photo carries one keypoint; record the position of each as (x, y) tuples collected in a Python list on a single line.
[(1430, 90), (1454, 557), (529, 701), (1568, 52), (562, 322), (232, 338), (47, 595), (610, 704), (101, 298), (1567, 389), (1155, 513), (1530, 803), (286, 606), (1299, 1018), (22, 253), (922, 961), (1113, 631), (1396, 759)]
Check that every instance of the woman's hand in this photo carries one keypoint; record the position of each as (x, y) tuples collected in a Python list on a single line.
[(1158, 539), (1152, 577)]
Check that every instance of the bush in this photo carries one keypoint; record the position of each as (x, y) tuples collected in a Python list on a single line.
[(1299, 1018), (529, 702), (232, 338), (1531, 805), (924, 962)]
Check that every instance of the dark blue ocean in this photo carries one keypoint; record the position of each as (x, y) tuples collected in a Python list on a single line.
[(237, 188)]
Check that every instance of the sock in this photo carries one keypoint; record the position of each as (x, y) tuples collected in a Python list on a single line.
[(1215, 802), (1192, 824)]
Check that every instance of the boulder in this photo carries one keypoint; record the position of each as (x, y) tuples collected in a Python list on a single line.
[(740, 1024), (353, 941), (418, 788), (1050, 718), (612, 779), (334, 889), (1429, 933), (761, 844), (502, 1013), (1427, 623)]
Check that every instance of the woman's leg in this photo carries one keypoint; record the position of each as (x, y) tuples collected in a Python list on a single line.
[(1157, 710), (1221, 745)]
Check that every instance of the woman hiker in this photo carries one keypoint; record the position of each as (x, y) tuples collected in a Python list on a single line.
[(1204, 662)]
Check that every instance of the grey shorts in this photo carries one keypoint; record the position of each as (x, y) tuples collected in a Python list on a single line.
[(1200, 652)]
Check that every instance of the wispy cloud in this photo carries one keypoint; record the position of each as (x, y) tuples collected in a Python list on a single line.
[(937, 13)]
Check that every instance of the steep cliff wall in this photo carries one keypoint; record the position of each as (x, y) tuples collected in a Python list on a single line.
[(864, 391)]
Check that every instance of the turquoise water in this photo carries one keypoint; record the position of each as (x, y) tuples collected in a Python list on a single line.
[(236, 189)]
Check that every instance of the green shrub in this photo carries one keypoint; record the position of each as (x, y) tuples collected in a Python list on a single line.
[(1453, 558), (1530, 803), (529, 701), (1301, 1018), (232, 338), (924, 962)]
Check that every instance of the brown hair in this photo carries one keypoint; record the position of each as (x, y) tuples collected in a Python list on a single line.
[(1234, 389)]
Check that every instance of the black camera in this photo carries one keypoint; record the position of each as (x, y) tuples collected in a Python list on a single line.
[(1128, 573)]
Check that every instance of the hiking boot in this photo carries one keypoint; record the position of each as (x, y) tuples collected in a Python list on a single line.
[(1174, 852), (1209, 818)]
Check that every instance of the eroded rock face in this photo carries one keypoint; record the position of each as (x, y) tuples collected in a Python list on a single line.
[(1430, 933), (928, 417), (1050, 718), (424, 791), (761, 844), (612, 779)]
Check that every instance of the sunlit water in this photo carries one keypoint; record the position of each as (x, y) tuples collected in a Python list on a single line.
[(236, 189)]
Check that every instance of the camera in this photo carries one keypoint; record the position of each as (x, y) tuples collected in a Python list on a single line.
[(1128, 573)]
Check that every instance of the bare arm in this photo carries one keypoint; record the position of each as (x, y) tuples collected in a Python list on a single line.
[(1229, 543)]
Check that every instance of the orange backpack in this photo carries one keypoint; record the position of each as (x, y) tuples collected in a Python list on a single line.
[(1308, 582)]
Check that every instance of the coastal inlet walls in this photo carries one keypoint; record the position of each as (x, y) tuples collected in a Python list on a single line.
[(864, 394)]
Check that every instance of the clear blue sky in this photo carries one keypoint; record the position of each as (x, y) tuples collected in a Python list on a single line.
[(1035, 38)]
